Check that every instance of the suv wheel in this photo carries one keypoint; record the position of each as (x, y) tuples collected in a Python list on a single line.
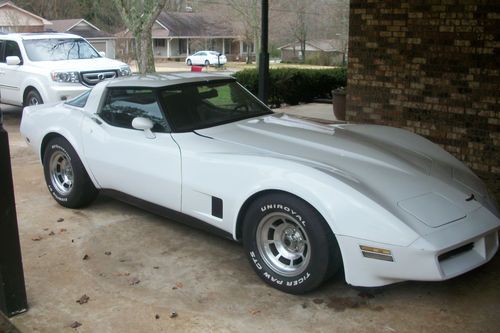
[(33, 98)]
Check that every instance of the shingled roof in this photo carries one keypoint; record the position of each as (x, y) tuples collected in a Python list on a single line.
[(193, 25), (71, 26), (5, 4)]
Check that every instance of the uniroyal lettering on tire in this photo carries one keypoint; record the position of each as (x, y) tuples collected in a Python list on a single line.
[(288, 243)]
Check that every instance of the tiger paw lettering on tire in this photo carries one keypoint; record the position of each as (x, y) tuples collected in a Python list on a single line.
[(65, 175), (288, 243)]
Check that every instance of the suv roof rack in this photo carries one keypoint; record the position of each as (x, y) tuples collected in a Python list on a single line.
[(42, 33)]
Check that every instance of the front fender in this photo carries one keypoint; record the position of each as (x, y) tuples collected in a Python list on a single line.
[(347, 211), (36, 82), (42, 122), (237, 175)]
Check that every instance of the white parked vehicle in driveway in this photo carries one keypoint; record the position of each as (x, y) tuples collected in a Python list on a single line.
[(206, 58), (304, 198), (38, 68)]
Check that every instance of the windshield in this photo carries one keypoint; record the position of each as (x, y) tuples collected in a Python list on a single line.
[(195, 106), (53, 49)]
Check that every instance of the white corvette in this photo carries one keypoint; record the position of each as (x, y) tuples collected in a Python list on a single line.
[(304, 198)]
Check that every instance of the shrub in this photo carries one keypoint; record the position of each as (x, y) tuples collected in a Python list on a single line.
[(294, 85)]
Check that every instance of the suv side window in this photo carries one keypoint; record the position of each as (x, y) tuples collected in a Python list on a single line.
[(11, 49), (124, 104), (2, 43)]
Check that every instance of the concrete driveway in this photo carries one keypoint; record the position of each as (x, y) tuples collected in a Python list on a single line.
[(137, 269)]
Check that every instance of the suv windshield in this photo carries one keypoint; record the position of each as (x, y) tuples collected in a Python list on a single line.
[(200, 105), (53, 49)]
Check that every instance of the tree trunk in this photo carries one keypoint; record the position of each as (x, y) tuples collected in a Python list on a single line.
[(147, 46), (256, 48), (144, 52), (137, 51), (249, 53), (139, 16), (303, 50)]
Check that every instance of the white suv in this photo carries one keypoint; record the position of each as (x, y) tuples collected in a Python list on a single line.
[(40, 68)]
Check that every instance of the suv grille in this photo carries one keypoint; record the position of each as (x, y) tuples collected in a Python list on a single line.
[(94, 77)]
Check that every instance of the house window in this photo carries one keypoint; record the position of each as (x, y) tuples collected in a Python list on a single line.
[(159, 42)]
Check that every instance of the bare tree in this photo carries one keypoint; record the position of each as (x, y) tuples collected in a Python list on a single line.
[(248, 11), (51, 9), (341, 25), (300, 28), (139, 17)]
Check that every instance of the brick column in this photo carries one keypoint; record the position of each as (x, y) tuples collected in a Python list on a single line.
[(432, 67)]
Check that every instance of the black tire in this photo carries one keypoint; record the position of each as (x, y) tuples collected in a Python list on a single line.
[(65, 175), (289, 244), (33, 98), (207, 63), (189, 62)]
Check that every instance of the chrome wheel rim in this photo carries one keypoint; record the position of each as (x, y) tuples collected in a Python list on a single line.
[(33, 101), (283, 244), (61, 172)]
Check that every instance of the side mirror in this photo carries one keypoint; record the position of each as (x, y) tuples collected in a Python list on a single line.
[(145, 125), (13, 60), (102, 54)]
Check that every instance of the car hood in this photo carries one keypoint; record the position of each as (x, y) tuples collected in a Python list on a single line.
[(80, 64), (401, 171)]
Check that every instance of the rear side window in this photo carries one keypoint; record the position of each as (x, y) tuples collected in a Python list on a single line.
[(79, 101), (124, 104), (11, 49)]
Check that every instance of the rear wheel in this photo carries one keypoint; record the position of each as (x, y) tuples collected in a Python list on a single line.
[(33, 98), (288, 243), (65, 175), (207, 63)]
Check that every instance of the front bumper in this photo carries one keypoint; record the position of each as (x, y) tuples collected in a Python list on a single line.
[(451, 251), (62, 92)]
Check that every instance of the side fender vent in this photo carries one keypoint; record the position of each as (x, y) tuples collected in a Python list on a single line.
[(217, 207)]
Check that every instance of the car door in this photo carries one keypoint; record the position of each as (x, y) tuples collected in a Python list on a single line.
[(10, 78), (200, 58), (128, 160)]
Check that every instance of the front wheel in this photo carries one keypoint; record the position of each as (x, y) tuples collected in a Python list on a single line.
[(288, 243), (189, 62), (65, 175), (33, 98)]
